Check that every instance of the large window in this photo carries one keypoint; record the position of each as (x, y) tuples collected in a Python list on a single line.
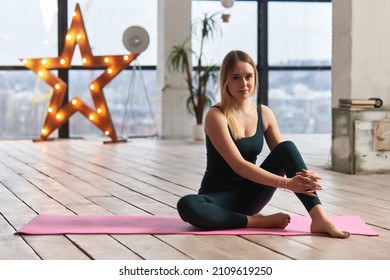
[(299, 58), (294, 57), (131, 95), (105, 22), (299, 33), (301, 100), (30, 29), (239, 33), (290, 40), (23, 103)]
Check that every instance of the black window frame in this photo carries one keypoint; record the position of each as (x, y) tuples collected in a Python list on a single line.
[(262, 52), (263, 66)]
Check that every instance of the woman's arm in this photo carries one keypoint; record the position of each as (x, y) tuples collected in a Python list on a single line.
[(272, 133), (216, 128), (273, 137)]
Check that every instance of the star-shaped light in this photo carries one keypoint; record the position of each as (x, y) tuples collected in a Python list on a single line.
[(57, 114)]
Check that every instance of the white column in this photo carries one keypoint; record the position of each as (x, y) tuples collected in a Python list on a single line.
[(361, 50), (174, 27)]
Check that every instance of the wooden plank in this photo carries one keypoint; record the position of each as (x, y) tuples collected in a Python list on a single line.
[(44, 244), (292, 249), (114, 179), (102, 247), (352, 248), (55, 247), (151, 247), (20, 214), (197, 247), (241, 248), (147, 177), (13, 247)]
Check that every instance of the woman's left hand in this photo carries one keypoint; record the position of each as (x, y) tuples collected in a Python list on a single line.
[(312, 175)]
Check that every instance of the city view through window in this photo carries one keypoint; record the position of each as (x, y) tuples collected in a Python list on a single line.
[(299, 35)]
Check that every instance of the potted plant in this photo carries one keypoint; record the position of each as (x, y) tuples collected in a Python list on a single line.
[(199, 78)]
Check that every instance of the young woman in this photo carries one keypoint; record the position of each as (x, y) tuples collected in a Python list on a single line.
[(234, 189)]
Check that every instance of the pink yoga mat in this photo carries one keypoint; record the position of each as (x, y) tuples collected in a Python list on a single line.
[(47, 224)]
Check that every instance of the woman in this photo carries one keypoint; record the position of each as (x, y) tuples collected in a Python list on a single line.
[(234, 189)]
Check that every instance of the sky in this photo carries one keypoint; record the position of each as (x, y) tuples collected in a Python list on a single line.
[(296, 30)]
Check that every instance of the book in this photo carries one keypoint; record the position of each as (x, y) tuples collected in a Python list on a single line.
[(363, 106), (360, 103)]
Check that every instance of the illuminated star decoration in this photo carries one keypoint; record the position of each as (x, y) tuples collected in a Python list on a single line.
[(56, 115)]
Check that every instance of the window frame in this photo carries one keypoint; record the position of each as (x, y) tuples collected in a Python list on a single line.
[(262, 53), (63, 74), (263, 66)]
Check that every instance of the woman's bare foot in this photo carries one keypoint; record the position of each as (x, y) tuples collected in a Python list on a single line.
[(278, 220), (326, 226), (322, 224)]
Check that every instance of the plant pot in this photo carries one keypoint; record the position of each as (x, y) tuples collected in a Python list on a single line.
[(225, 17), (198, 132)]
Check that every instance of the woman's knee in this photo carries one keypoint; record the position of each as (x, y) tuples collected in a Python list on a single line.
[(287, 146), (288, 150), (186, 204), (291, 158), (182, 203)]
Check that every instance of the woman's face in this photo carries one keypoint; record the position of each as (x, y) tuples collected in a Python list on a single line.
[(241, 81)]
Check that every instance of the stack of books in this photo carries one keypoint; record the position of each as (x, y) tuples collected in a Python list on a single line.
[(360, 103)]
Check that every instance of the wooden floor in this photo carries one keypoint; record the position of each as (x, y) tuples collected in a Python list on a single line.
[(147, 176)]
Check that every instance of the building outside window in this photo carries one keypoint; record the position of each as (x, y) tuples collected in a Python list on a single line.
[(299, 43)]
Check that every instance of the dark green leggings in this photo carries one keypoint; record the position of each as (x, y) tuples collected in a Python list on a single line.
[(224, 210)]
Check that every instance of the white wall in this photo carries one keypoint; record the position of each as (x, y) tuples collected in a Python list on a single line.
[(361, 50), (174, 27)]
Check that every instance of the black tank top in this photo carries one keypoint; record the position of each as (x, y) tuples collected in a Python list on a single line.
[(219, 176)]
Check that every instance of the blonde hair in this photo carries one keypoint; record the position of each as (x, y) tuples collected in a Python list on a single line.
[(227, 104)]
